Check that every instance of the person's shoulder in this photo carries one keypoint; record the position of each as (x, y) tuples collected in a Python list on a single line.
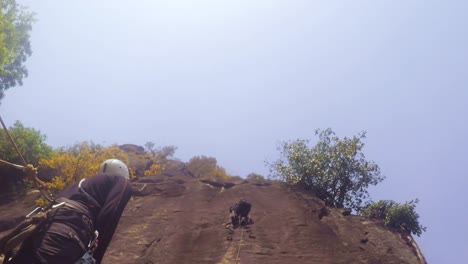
[(105, 178)]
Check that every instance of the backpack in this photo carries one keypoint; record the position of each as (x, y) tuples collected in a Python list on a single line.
[(240, 213), (242, 208), (33, 224)]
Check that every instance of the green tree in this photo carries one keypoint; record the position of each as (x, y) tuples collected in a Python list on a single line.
[(402, 217), (377, 210), (30, 143), (335, 169), (15, 26)]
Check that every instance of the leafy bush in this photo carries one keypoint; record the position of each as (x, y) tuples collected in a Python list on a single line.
[(201, 166), (219, 174), (155, 169), (402, 217), (206, 168), (255, 177), (236, 178), (82, 160), (30, 143), (377, 210), (333, 169)]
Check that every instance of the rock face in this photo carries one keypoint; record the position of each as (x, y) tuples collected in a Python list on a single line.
[(176, 218), (180, 219)]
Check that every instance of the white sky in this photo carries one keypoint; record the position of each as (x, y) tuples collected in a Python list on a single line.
[(232, 79)]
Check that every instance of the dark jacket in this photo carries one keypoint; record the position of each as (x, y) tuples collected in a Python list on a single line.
[(112, 193), (240, 213), (69, 231)]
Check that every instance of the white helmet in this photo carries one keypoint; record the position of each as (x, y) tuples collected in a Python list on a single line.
[(114, 167)]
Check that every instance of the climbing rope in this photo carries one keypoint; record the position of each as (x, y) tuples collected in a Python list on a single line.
[(19, 167), (13, 142), (29, 170), (240, 245)]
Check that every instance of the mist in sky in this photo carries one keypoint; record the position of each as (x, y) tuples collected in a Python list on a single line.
[(233, 79)]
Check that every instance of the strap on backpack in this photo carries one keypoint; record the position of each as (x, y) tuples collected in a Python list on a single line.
[(33, 222)]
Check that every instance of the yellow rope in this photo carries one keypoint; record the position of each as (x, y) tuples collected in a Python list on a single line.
[(240, 244)]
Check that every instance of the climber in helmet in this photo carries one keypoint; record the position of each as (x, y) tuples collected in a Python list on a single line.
[(239, 213), (93, 204)]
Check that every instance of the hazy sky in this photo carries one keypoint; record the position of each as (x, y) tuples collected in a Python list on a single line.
[(232, 79)]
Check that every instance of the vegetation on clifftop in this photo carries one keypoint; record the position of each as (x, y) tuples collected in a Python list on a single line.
[(337, 171), (334, 169)]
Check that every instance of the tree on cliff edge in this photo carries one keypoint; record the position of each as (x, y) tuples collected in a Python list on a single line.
[(334, 169), (15, 48)]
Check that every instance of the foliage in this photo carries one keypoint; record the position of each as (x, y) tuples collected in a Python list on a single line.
[(400, 216), (219, 174), (15, 26), (155, 169), (334, 169), (57, 184), (30, 143), (201, 166), (82, 160), (255, 177), (377, 210), (236, 178), (131, 171), (149, 146), (42, 202), (206, 168), (161, 152), (158, 158)]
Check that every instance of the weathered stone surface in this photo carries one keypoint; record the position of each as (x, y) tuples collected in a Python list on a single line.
[(179, 219)]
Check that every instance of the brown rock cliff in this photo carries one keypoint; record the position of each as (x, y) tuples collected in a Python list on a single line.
[(176, 218), (182, 220)]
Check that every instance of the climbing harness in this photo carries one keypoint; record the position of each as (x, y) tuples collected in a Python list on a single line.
[(34, 222), (88, 258)]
